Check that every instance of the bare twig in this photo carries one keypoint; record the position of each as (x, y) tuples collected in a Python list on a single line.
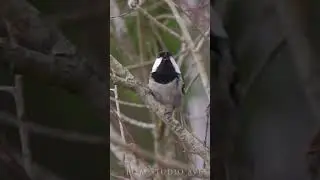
[(128, 103), (9, 89), (122, 15), (184, 53), (23, 130), (133, 121), (120, 123), (191, 82), (202, 40), (118, 112)]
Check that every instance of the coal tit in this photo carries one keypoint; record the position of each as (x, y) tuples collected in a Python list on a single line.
[(165, 81), (166, 84)]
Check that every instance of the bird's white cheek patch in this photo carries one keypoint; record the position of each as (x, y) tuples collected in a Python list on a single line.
[(156, 64), (175, 65)]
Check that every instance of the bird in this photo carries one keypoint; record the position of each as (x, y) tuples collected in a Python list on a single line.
[(166, 83)]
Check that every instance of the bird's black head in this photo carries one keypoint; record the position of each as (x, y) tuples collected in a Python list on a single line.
[(165, 69)]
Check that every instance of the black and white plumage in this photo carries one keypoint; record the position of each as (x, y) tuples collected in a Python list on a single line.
[(165, 80)]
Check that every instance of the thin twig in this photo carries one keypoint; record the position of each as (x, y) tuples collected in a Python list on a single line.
[(119, 115), (202, 40), (9, 89), (133, 121), (184, 53), (191, 82), (23, 130), (128, 103), (122, 15)]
